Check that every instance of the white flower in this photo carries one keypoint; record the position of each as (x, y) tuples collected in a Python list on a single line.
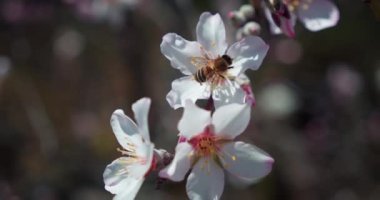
[(125, 175), (316, 15), (209, 149), (210, 48)]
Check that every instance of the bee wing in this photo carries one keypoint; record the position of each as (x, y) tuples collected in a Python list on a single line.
[(199, 62)]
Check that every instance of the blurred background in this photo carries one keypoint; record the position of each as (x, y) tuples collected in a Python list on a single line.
[(66, 65)]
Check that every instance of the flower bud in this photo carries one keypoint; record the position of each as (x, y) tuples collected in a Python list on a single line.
[(237, 18), (247, 11), (251, 28)]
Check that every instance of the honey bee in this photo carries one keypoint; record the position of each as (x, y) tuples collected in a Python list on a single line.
[(211, 69)]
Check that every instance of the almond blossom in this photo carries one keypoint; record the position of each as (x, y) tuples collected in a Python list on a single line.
[(316, 15), (208, 150), (211, 47), (125, 175)]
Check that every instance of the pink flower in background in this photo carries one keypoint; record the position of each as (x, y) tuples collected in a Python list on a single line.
[(199, 61), (316, 15), (125, 175), (209, 150)]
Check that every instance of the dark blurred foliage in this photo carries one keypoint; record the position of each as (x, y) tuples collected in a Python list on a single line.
[(65, 66)]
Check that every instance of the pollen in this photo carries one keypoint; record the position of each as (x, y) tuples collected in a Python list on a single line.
[(130, 154), (206, 146)]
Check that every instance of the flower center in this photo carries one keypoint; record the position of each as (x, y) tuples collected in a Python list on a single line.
[(130, 155), (209, 146), (205, 144)]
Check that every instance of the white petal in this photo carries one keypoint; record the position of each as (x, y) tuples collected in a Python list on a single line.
[(131, 193), (117, 179), (141, 110), (194, 120), (248, 53), (245, 161), (186, 88), (228, 94), (211, 34), (318, 15), (180, 164), (231, 120), (179, 51), (126, 131), (206, 181)]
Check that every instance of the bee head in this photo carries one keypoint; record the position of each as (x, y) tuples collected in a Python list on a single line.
[(228, 59)]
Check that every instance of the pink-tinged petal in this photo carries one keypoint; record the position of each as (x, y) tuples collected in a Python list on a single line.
[(186, 88), (126, 131), (180, 165), (274, 29), (249, 96), (194, 120), (180, 51), (231, 120), (211, 34), (145, 153), (228, 94), (245, 161), (141, 110), (247, 53), (245, 85), (131, 193), (318, 14), (206, 181), (117, 178), (287, 25)]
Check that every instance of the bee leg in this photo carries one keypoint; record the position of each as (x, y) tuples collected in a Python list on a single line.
[(230, 67)]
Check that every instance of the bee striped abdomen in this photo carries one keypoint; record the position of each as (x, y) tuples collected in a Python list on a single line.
[(200, 76)]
